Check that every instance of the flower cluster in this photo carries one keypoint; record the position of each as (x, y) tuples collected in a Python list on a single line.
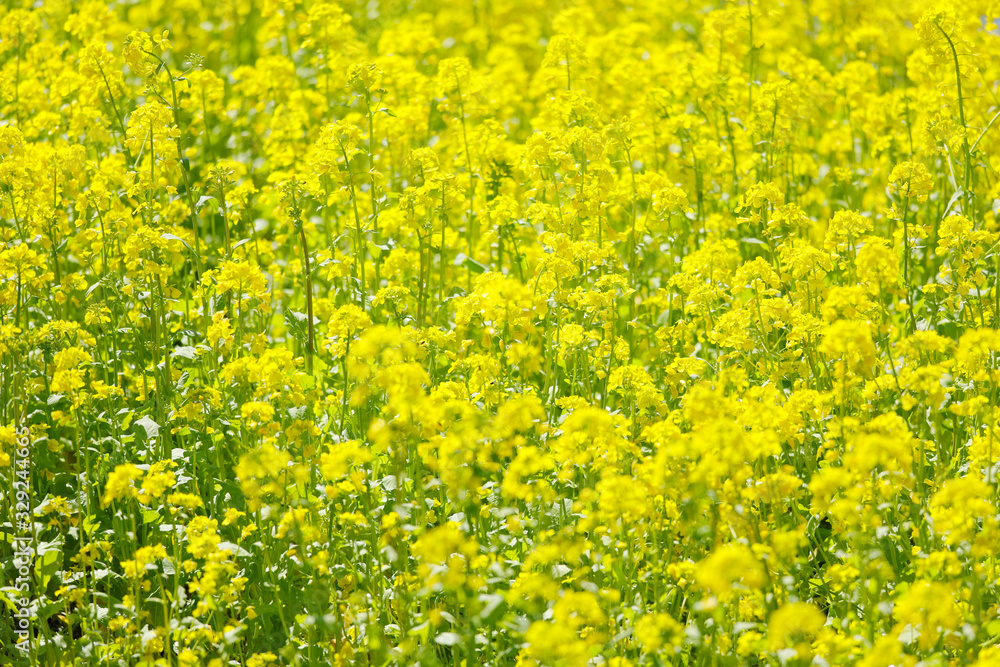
[(506, 333)]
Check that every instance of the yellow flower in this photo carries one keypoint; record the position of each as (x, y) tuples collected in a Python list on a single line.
[(262, 660), (121, 484), (575, 629), (220, 332), (245, 280), (960, 507), (795, 625), (257, 412), (930, 606), (656, 631), (727, 567), (202, 538), (158, 479), (137, 45), (911, 180), (850, 345)]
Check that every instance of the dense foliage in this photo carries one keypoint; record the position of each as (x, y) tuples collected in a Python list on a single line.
[(500, 333)]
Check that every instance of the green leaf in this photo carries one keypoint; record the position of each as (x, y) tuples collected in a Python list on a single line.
[(90, 524), (464, 260), (8, 602), (448, 639), (492, 608), (235, 549), (297, 323), (152, 428), (48, 562)]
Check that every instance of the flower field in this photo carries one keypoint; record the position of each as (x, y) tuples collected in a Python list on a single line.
[(502, 332)]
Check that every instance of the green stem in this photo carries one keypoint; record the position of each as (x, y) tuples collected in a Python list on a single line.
[(961, 115)]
